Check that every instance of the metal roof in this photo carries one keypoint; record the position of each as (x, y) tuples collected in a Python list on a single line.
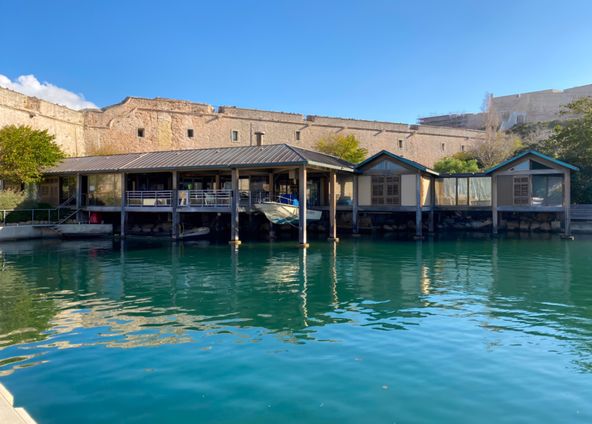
[(406, 161), (213, 158), (535, 153)]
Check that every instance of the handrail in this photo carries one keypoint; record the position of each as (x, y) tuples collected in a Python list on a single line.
[(204, 198), (149, 198)]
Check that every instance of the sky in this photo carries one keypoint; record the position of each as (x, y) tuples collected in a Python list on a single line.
[(373, 59)]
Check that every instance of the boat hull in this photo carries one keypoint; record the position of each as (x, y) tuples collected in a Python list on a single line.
[(280, 213)]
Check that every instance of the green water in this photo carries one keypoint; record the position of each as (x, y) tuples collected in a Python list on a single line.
[(381, 331)]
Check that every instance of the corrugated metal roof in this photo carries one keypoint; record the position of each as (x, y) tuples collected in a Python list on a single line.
[(409, 162), (228, 157)]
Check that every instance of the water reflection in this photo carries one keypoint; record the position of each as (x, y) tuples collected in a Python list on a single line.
[(133, 295)]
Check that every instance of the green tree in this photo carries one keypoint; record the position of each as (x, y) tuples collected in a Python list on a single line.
[(571, 141), (458, 163), (346, 147), (25, 152)]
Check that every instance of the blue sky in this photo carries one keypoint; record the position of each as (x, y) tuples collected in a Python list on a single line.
[(379, 60)]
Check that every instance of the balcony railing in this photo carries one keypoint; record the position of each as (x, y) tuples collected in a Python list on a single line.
[(149, 199), (191, 198), (205, 198)]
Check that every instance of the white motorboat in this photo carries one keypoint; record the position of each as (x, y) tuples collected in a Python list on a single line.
[(283, 213)]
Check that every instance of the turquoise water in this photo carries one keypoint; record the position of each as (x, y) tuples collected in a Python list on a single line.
[(381, 331)]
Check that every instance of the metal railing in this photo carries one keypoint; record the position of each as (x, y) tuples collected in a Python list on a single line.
[(29, 216), (205, 198), (149, 199)]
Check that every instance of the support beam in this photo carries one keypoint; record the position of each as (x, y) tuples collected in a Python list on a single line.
[(234, 212), (78, 197), (418, 222), (333, 207), (302, 182), (174, 205), (432, 197), (217, 182), (123, 221), (566, 204), (271, 181), (494, 212), (355, 207)]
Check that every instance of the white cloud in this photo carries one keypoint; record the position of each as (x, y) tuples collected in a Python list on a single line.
[(30, 85)]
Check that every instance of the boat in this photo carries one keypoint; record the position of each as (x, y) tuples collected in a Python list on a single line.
[(283, 213), (194, 233)]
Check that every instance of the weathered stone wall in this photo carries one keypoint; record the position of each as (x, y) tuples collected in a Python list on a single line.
[(66, 124), (165, 124)]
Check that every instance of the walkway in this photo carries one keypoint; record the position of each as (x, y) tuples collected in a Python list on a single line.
[(8, 413)]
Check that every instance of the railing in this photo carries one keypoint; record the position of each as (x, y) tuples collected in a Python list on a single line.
[(581, 212), (149, 199), (205, 198), (29, 216)]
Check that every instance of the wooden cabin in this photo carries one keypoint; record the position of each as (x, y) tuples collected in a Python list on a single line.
[(531, 182)]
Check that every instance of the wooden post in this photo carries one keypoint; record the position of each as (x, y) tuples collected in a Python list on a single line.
[(123, 206), (217, 183), (271, 181), (418, 223), (355, 207), (566, 204), (174, 205), (234, 212), (79, 204), (302, 236), (333, 207), (494, 213), (432, 196)]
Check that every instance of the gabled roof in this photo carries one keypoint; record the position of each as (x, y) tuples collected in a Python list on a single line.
[(213, 158), (534, 153), (406, 161)]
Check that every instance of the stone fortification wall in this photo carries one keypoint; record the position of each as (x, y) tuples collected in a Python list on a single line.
[(138, 124), (66, 124), (160, 124)]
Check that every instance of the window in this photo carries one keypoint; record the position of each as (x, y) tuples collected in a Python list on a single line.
[(401, 144), (140, 132), (462, 148), (443, 146), (480, 191), (547, 190), (521, 191), (386, 190), (462, 191), (190, 133), (234, 136), (297, 135)]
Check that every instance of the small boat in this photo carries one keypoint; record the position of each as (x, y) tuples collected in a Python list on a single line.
[(194, 233), (282, 213)]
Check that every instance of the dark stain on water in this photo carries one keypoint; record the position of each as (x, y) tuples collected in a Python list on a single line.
[(368, 331)]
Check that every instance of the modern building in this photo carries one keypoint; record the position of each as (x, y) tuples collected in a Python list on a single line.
[(514, 109)]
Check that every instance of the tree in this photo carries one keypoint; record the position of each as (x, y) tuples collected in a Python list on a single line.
[(346, 147), (572, 142), (496, 146), (25, 152), (458, 163)]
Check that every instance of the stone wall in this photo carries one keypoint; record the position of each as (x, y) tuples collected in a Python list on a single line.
[(66, 124), (165, 125), (138, 124)]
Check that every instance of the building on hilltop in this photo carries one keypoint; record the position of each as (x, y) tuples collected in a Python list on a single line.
[(516, 109), (143, 125)]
